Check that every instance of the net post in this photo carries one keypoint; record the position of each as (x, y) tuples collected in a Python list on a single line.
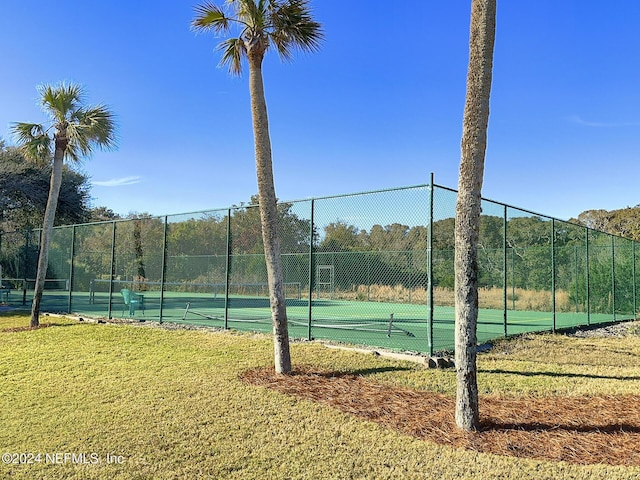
[(92, 290), (186, 310), (390, 325)]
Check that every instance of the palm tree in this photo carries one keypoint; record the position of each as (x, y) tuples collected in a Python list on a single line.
[(72, 133), (468, 208), (286, 25)]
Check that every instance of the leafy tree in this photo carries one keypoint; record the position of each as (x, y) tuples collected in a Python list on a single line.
[(73, 132), (286, 25), (529, 251), (624, 222), (341, 237), (24, 189), (102, 214), (418, 238), (468, 208), (246, 227)]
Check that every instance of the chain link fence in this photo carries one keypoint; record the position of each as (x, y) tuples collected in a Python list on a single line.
[(374, 268)]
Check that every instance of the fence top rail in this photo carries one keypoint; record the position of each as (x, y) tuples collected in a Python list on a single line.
[(502, 204), (308, 199), (535, 214), (228, 210)]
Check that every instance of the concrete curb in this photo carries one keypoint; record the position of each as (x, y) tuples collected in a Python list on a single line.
[(430, 362)]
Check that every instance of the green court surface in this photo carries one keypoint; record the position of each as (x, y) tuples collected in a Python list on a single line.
[(397, 326)]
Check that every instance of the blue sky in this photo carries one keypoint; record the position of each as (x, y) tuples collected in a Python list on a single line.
[(379, 106)]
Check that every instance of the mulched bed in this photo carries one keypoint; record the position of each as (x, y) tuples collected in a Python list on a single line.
[(581, 430)]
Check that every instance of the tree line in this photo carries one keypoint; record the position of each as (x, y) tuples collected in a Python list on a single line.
[(393, 254), (24, 188)]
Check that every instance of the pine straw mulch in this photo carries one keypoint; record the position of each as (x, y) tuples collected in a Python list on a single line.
[(581, 430)]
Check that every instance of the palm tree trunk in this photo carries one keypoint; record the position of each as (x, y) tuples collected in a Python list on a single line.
[(45, 236), (468, 208), (269, 216)]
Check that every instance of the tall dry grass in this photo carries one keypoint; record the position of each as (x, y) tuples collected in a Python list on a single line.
[(488, 297)]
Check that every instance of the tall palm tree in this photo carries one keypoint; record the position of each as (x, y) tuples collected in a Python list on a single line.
[(73, 131), (286, 25), (468, 208)]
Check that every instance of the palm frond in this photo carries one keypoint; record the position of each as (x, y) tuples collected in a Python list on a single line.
[(293, 28), (90, 127), (78, 140), (26, 132), (59, 101), (33, 141), (73, 153), (210, 17), (242, 8), (286, 24), (254, 14), (233, 51), (99, 123), (74, 128)]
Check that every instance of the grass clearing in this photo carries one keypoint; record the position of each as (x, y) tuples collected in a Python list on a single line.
[(172, 405)]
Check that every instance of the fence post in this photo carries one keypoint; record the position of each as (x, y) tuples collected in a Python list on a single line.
[(227, 272), (613, 276), (588, 286), (575, 262), (633, 273), (27, 243), (25, 269), (73, 253), (430, 270), (311, 264), (113, 266), (553, 271), (504, 270), (369, 276), (163, 270), (513, 279)]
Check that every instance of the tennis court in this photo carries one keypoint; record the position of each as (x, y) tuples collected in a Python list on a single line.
[(398, 326), (373, 262)]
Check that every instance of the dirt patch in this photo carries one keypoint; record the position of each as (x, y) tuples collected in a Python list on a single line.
[(26, 329), (581, 430)]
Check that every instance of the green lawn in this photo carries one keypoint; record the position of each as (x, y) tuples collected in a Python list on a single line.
[(168, 404)]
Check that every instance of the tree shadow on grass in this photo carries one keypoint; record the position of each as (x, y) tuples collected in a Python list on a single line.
[(28, 328), (363, 372), (614, 428), (13, 312), (559, 375)]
